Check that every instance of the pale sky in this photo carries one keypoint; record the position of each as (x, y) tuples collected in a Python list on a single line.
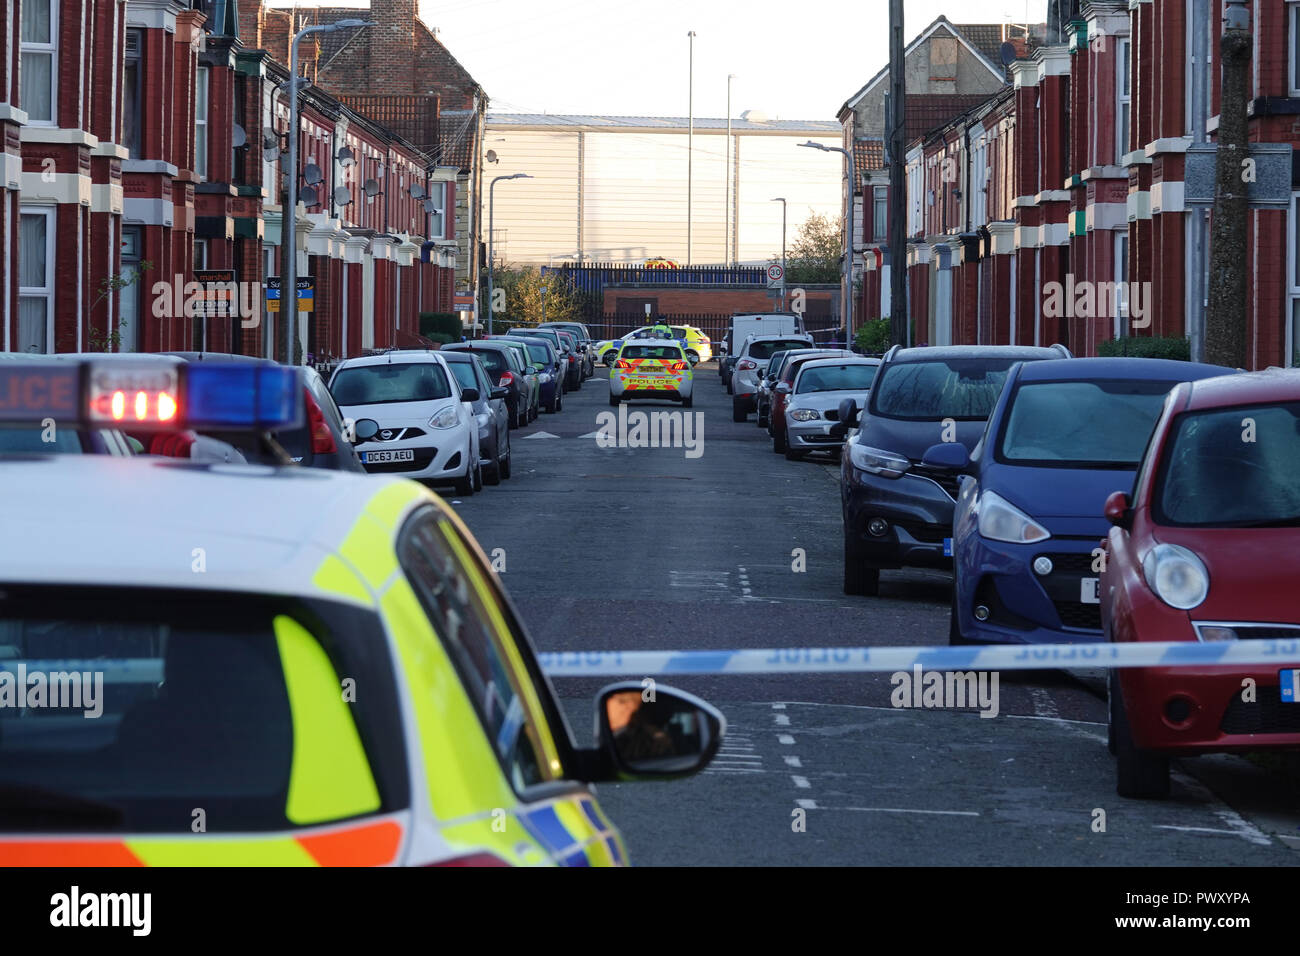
[(792, 60)]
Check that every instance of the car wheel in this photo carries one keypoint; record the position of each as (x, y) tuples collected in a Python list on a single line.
[(760, 418), (492, 473), (688, 401), (614, 400), (478, 478), (693, 357), (739, 410), (731, 390), (792, 454), (465, 483), (1139, 773), (559, 400), (512, 420), (859, 577), (778, 442)]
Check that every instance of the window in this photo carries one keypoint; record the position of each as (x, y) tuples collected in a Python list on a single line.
[(36, 280), (880, 219), (201, 122), (129, 298), (1292, 357), (200, 253), (133, 74), (39, 60), (398, 382), (438, 218), (1122, 99), (1053, 424), (1293, 48), (1121, 283)]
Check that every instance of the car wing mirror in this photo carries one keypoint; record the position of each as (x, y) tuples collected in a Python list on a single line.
[(948, 455), (1119, 510), (848, 413), (499, 393), (364, 429), (782, 388), (655, 732), (469, 395)]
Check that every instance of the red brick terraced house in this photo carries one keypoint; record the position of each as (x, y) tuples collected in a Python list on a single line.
[(1075, 206), (144, 141)]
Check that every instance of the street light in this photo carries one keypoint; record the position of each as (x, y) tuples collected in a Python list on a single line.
[(727, 235), (289, 216), (847, 310), (492, 196), (781, 200), (690, 139)]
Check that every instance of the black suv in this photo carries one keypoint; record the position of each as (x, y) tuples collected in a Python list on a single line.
[(898, 512)]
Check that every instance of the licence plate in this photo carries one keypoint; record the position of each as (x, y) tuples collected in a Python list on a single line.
[(1088, 590), (1289, 681), (947, 547), (379, 457)]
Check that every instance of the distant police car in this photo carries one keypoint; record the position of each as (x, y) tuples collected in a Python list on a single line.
[(652, 368), (282, 666)]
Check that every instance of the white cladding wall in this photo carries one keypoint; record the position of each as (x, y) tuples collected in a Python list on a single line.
[(634, 194)]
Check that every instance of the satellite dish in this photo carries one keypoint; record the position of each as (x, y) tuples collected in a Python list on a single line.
[(342, 196), (491, 156), (431, 206), (370, 188), (270, 138), (311, 174), (309, 197), (1008, 53), (272, 154), (417, 191), (346, 157), (238, 138)]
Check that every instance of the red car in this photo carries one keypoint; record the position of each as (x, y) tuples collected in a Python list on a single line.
[(1207, 548)]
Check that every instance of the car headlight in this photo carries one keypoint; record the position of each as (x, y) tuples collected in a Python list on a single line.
[(877, 461), (1000, 520), (805, 415), (1176, 575), (447, 418)]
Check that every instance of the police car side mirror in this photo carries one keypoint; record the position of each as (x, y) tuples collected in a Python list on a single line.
[(364, 430), (656, 732)]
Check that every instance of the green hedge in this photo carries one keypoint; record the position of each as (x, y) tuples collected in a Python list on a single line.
[(874, 336), (442, 338), (1147, 346), (443, 323)]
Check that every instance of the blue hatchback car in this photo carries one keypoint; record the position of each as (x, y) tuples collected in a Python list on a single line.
[(1028, 523)]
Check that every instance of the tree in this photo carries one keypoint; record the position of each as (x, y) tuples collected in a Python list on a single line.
[(98, 341), (815, 254), (519, 290)]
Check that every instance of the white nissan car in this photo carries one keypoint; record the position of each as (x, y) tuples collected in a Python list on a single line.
[(424, 423)]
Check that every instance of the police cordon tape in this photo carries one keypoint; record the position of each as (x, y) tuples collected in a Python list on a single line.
[(811, 660)]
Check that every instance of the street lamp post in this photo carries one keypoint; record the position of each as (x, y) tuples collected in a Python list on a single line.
[(847, 309), (729, 250), (492, 197), (289, 215), (781, 200), (690, 139)]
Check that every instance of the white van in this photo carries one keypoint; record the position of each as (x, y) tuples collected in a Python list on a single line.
[(745, 324)]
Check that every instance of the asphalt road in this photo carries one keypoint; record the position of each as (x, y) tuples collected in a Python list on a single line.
[(727, 545)]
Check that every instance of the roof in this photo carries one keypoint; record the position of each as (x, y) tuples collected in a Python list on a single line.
[(992, 63), (868, 153), (930, 353), (666, 123), (923, 112), (1122, 367), (138, 522), (1270, 385), (394, 357)]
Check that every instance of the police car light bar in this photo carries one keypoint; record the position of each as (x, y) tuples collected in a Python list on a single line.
[(150, 395)]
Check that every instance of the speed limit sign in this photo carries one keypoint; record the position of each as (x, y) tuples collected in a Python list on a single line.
[(775, 276)]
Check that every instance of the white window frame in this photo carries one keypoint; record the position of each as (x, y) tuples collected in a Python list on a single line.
[(1120, 274), (52, 49), (202, 80), (438, 220), (1123, 100), (1293, 47), (1293, 283), (46, 291), (879, 223)]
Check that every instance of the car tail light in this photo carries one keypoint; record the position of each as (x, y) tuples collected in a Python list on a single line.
[(322, 439), (677, 367), (624, 364), (745, 365), (571, 360), (472, 859), (505, 380)]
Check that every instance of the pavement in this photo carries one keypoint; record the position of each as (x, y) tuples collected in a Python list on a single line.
[(728, 545)]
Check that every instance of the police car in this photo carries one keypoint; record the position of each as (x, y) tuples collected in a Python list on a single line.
[(651, 368), (250, 665)]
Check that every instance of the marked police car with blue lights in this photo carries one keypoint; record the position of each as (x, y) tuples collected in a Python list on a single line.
[(299, 667)]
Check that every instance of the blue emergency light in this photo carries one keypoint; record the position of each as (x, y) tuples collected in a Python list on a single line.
[(152, 394)]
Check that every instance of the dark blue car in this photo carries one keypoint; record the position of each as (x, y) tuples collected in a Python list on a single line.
[(553, 372), (1028, 524)]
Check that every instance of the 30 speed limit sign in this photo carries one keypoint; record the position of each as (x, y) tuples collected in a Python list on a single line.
[(775, 276)]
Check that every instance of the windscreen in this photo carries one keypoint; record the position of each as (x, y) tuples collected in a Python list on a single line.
[(765, 350), (964, 389), (539, 354), (399, 382), (494, 362), (670, 353), (1081, 424), (835, 378), (1232, 467), (36, 440)]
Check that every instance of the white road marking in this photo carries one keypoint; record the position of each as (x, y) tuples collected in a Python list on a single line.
[(808, 804), (1170, 826), (778, 706), (745, 592), (538, 435), (1044, 706), (735, 770), (785, 739), (793, 762), (590, 435), (782, 720), (1236, 823), (802, 783), (940, 813)]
